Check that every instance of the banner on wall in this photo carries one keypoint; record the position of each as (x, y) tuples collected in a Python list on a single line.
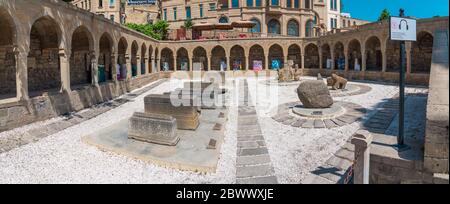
[(276, 64), (141, 2), (257, 65)]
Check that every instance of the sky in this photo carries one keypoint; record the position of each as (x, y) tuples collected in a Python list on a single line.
[(371, 9)]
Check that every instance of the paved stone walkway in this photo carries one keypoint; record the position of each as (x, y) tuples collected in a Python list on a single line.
[(336, 167), (253, 164), (33, 135)]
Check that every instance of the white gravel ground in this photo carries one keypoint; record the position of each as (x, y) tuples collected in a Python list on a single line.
[(295, 152), (63, 158)]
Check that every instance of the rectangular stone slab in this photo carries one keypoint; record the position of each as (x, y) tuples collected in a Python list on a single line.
[(154, 128), (187, 115)]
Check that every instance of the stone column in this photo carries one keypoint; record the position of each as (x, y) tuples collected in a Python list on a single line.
[(362, 140), (147, 65), (209, 62), (363, 59), (320, 58), (158, 65), (228, 60), (94, 69), (266, 65), (21, 74), (128, 64), (246, 68), (114, 66), (65, 70), (303, 60), (333, 61), (383, 60), (175, 63), (138, 66), (346, 60)]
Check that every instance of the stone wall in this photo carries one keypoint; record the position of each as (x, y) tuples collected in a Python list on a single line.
[(437, 134), (7, 71), (80, 68)]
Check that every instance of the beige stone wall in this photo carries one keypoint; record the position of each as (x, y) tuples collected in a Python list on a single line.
[(7, 71)]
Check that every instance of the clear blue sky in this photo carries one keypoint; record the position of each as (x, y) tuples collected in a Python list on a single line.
[(371, 9)]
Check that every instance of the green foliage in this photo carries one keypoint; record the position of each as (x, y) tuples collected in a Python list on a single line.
[(385, 14), (188, 24), (157, 30)]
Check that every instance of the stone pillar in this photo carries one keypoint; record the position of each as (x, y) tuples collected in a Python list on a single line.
[(65, 70), (94, 69), (247, 65), (362, 140), (138, 65), (320, 58), (175, 63), (158, 65), (346, 60), (147, 66), (363, 59), (209, 62), (303, 60), (228, 60), (21, 74), (266, 65), (128, 64), (333, 61), (114, 66), (383, 60)]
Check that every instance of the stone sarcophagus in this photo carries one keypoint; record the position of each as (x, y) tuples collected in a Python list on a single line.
[(154, 128), (185, 113)]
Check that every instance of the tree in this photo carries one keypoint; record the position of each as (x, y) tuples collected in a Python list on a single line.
[(384, 15), (157, 30), (188, 23)]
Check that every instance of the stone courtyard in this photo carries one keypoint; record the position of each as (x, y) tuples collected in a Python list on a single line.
[(256, 148)]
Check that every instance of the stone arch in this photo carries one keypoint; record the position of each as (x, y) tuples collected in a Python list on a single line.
[(312, 56), (121, 58), (105, 59), (295, 54), (8, 88), (421, 53), (274, 27), (80, 59), (218, 58), (276, 57), (150, 57), (182, 59), (326, 55), (257, 27), (200, 56), (293, 28), (237, 58), (339, 56), (223, 19), (256, 54), (354, 53), (134, 53), (44, 71), (374, 55), (167, 60)]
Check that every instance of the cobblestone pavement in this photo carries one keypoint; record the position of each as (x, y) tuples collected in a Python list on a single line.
[(12, 141), (253, 164)]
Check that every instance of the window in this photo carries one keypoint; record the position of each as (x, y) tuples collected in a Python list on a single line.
[(100, 3), (309, 28), (256, 28), (308, 4), (296, 3), (292, 28), (343, 23), (288, 4), (188, 12), (333, 5), (111, 17), (275, 2), (212, 6), (112, 3), (223, 19), (174, 13), (234, 3), (333, 23), (249, 3), (224, 3), (201, 10), (274, 27), (258, 3), (165, 14)]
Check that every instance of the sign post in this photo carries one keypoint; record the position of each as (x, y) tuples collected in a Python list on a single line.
[(402, 29)]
